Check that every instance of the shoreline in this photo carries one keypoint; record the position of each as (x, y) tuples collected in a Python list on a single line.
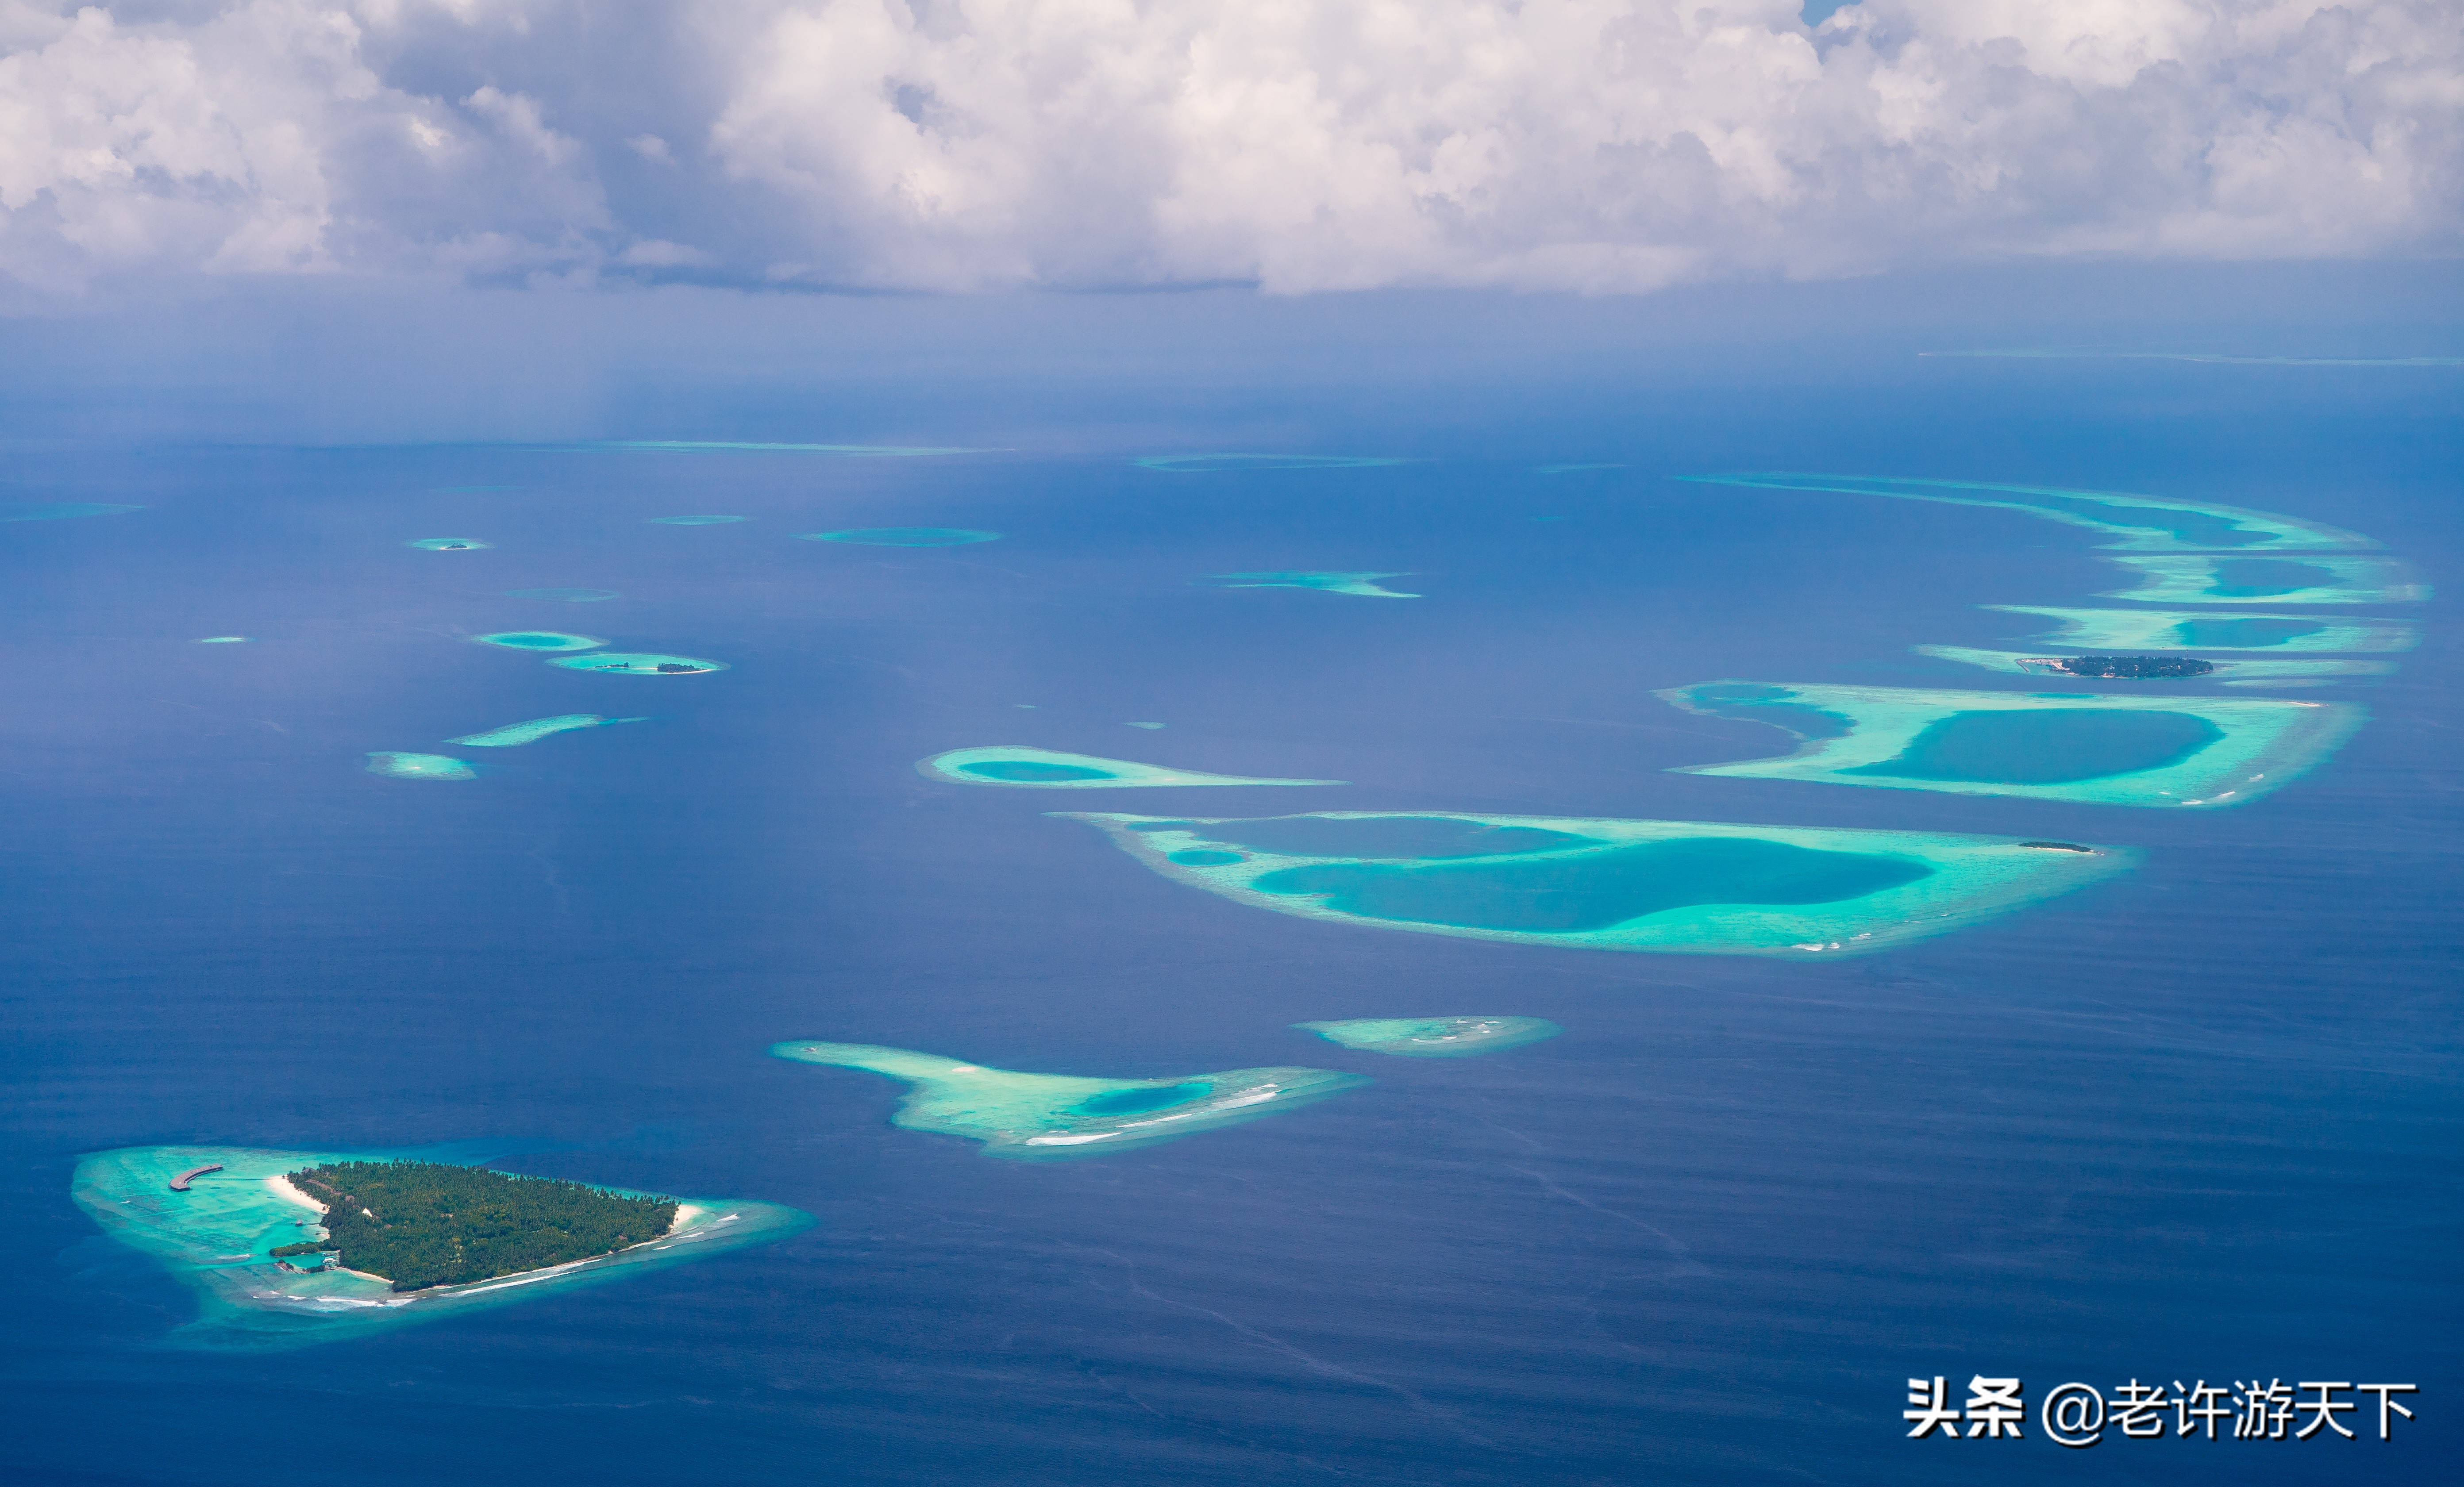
[(280, 1186)]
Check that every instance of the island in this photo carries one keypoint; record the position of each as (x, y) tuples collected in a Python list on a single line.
[(1688, 888), (1364, 584), (1041, 1116), (904, 536), (1434, 1037), (422, 1224), (1048, 768), (2091, 747), (632, 663), (514, 734), (2128, 668), (540, 640), (282, 1248), (446, 544), (394, 764), (2268, 671)]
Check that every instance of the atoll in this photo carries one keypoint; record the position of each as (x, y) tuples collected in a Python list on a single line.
[(1059, 1115), (1434, 1037), (632, 663), (248, 1250), (514, 734), (1698, 887), (447, 545), (1047, 769), (393, 764), (1364, 584), (904, 536), (2321, 579), (2093, 748), (2208, 630), (540, 639), (2136, 523)]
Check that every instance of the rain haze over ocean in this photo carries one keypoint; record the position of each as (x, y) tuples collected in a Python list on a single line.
[(1504, 744)]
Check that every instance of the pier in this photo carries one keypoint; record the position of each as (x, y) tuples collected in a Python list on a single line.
[(179, 1184)]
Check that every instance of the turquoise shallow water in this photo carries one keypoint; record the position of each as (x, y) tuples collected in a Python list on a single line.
[(2141, 747), (540, 640), (1595, 891), (1048, 1117), (217, 1236), (1048, 768), (2172, 629), (2127, 521), (1669, 887), (2205, 579), (2051, 747), (1434, 1037), (2179, 1106)]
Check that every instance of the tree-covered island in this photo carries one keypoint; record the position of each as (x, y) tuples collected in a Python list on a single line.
[(422, 1224), (2129, 669)]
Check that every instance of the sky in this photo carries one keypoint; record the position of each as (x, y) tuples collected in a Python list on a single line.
[(1295, 146)]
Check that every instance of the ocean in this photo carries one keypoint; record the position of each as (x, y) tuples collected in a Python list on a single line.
[(2196, 1120)]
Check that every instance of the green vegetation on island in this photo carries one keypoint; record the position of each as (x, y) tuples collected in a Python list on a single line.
[(2130, 669), (422, 1224)]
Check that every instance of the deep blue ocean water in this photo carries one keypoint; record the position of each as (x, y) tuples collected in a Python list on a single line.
[(2197, 1120)]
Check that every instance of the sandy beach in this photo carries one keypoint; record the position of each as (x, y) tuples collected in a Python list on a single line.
[(282, 1189)]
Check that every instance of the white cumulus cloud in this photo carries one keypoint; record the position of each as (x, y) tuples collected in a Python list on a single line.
[(1303, 144)]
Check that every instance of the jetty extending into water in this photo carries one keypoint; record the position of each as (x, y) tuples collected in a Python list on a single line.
[(179, 1184)]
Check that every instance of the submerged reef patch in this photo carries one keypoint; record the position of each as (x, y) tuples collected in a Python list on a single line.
[(2206, 630), (1695, 887), (2136, 523), (1364, 584), (540, 639), (1434, 1037), (514, 734), (1060, 1115), (62, 510), (566, 595), (2092, 748), (638, 663), (904, 536), (1206, 463), (2324, 578), (229, 1236), (220, 640), (447, 545), (393, 764), (1047, 769)]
